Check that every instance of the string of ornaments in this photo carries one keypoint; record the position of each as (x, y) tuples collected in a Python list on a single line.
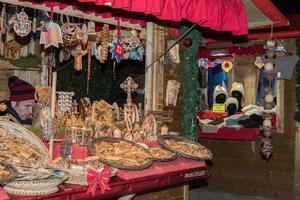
[(64, 102), (268, 101)]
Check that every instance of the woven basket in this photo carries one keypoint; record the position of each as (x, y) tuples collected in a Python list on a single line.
[(80, 178), (30, 192), (17, 131), (12, 171), (41, 184), (77, 179)]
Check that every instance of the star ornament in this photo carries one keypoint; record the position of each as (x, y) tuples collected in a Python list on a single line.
[(117, 50)]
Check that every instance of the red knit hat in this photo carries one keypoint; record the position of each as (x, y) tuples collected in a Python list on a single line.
[(20, 90)]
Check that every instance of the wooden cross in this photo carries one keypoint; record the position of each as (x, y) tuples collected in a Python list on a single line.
[(129, 86)]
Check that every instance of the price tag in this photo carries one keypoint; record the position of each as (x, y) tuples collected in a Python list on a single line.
[(218, 107), (194, 174)]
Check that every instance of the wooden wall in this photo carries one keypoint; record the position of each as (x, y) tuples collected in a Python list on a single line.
[(173, 72), (31, 76), (237, 168)]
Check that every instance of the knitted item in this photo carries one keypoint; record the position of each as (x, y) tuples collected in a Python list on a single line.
[(20, 90)]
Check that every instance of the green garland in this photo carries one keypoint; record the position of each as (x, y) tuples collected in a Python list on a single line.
[(297, 114), (190, 74)]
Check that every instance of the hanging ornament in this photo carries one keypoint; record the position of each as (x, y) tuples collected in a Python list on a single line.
[(137, 53), (187, 42), (98, 53), (78, 58), (85, 33), (259, 62), (105, 40), (22, 26), (52, 37), (117, 50), (91, 27), (68, 31), (227, 65), (64, 102)]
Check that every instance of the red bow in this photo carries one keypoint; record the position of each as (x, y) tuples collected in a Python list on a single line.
[(95, 178)]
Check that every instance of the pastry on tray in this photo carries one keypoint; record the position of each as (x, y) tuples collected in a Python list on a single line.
[(162, 154), (185, 148), (120, 153)]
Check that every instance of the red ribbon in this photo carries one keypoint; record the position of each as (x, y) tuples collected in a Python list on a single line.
[(95, 178)]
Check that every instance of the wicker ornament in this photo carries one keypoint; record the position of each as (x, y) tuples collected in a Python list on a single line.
[(105, 40), (43, 94)]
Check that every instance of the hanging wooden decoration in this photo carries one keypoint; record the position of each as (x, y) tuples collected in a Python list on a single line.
[(78, 58), (105, 40), (23, 26), (227, 65), (85, 33), (68, 30), (266, 145)]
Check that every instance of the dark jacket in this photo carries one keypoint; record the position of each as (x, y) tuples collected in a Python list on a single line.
[(13, 115)]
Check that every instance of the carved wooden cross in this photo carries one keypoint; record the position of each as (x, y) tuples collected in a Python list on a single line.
[(129, 86)]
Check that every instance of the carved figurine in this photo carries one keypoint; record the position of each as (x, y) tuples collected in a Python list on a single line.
[(172, 92)]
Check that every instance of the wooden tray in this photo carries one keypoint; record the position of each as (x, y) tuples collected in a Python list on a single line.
[(162, 140), (172, 156), (12, 176), (119, 164)]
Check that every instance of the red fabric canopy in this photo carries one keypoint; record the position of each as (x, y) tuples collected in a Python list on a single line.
[(229, 15)]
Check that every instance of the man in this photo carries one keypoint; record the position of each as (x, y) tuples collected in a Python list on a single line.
[(19, 107)]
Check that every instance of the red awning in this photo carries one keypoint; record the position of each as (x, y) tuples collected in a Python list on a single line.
[(220, 15)]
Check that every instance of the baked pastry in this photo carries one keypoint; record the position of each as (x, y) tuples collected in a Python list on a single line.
[(120, 153), (186, 148), (161, 154)]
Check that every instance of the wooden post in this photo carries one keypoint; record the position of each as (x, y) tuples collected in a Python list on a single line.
[(53, 100), (149, 71)]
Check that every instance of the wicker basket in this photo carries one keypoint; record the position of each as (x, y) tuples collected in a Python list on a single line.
[(30, 192), (80, 178), (16, 131), (35, 187), (12, 176)]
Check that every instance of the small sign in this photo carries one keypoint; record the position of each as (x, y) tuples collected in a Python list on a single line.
[(218, 107)]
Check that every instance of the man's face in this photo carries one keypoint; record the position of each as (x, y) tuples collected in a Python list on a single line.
[(23, 108)]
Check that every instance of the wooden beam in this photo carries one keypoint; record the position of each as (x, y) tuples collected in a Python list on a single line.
[(75, 13)]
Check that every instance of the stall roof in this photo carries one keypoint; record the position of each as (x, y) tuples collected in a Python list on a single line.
[(220, 15)]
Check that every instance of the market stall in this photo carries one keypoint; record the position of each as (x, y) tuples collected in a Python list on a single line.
[(93, 149)]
